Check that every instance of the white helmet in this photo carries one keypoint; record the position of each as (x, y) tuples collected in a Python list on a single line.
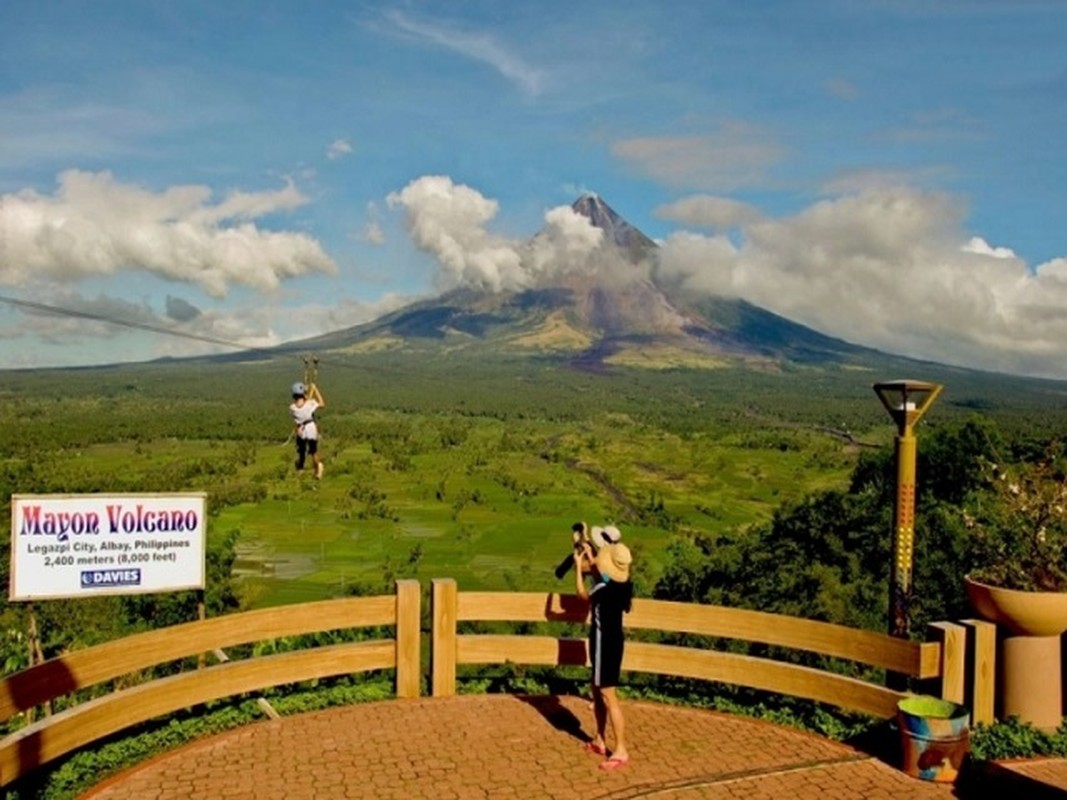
[(299, 390)]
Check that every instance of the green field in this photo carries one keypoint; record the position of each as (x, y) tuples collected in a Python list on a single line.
[(467, 469), (494, 511)]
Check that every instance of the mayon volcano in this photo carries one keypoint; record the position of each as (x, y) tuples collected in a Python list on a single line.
[(595, 305)]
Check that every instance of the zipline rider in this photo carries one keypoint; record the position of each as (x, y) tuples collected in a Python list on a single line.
[(306, 401)]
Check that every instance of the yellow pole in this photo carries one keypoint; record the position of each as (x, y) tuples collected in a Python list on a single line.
[(903, 536), (906, 401)]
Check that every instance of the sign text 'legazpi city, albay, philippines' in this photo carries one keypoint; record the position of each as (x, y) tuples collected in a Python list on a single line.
[(84, 545)]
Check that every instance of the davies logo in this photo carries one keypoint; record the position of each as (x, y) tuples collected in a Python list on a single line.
[(94, 578)]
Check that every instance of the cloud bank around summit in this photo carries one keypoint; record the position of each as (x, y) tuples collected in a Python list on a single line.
[(449, 220), (887, 267), (882, 265)]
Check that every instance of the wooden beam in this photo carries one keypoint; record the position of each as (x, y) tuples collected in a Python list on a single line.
[(953, 641), (981, 669), (764, 674), (443, 635), (82, 668), (408, 638), (710, 665), (503, 649), (80, 725), (866, 647)]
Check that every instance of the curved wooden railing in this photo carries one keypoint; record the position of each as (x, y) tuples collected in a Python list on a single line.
[(959, 659), (62, 733)]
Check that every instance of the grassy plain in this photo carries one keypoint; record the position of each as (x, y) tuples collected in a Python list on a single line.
[(472, 469), (494, 511)]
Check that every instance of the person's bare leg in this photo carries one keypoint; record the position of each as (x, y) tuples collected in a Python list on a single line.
[(600, 714), (618, 724)]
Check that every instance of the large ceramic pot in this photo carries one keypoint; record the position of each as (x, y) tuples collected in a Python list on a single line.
[(1029, 661), (1023, 613)]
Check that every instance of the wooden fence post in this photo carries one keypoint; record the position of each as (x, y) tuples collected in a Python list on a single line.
[(444, 606), (408, 637), (953, 641), (981, 669)]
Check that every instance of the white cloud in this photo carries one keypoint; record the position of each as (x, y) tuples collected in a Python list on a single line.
[(890, 269), (565, 246), (66, 328), (706, 211), (449, 221), (476, 46), (372, 233), (978, 245), (855, 181), (338, 148), (737, 155), (80, 317), (345, 313), (95, 225)]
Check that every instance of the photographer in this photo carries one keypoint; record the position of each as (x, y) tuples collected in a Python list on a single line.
[(609, 598)]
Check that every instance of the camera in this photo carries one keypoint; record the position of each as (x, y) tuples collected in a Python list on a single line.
[(579, 541)]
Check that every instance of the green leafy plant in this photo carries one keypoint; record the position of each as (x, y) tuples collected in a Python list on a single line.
[(1019, 524), (1015, 739)]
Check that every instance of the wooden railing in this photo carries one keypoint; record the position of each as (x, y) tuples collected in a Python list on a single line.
[(959, 659), (58, 734)]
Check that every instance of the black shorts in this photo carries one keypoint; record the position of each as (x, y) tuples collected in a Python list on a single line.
[(303, 448), (605, 654)]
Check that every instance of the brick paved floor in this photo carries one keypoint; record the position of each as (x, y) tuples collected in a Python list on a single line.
[(503, 746)]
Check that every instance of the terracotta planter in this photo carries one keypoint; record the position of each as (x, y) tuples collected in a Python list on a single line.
[(1022, 613), (1028, 660)]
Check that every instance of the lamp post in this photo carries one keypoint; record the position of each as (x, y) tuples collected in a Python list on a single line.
[(906, 401)]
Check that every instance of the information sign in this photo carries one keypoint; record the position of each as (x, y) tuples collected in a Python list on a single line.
[(93, 544)]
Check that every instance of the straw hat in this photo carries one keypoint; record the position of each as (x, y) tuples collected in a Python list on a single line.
[(613, 561), (604, 536)]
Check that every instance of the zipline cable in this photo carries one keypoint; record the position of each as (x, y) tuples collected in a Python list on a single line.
[(144, 326), (59, 311)]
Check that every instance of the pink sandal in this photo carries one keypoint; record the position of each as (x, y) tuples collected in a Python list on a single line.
[(614, 763), (596, 749)]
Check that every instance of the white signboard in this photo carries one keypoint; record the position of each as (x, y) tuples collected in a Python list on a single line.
[(92, 544)]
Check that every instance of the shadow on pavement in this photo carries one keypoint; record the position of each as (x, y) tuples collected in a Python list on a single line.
[(557, 715), (977, 781), (991, 780)]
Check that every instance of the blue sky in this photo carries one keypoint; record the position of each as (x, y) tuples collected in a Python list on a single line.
[(887, 171)]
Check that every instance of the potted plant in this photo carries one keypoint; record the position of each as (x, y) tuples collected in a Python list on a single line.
[(1019, 525), (1020, 537)]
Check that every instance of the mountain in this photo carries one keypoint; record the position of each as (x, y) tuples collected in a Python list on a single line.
[(616, 230), (613, 312)]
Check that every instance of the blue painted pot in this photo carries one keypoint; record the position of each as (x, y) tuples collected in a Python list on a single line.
[(935, 738)]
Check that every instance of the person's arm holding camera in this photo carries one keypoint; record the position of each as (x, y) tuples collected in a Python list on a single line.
[(583, 560)]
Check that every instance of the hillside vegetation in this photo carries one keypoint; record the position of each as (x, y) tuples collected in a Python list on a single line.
[(472, 468), (768, 488)]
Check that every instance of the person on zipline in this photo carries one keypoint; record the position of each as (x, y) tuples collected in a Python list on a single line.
[(306, 401)]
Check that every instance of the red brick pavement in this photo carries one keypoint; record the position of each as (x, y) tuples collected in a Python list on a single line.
[(503, 746)]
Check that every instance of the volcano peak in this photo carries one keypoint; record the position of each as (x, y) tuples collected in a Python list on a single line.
[(616, 229)]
